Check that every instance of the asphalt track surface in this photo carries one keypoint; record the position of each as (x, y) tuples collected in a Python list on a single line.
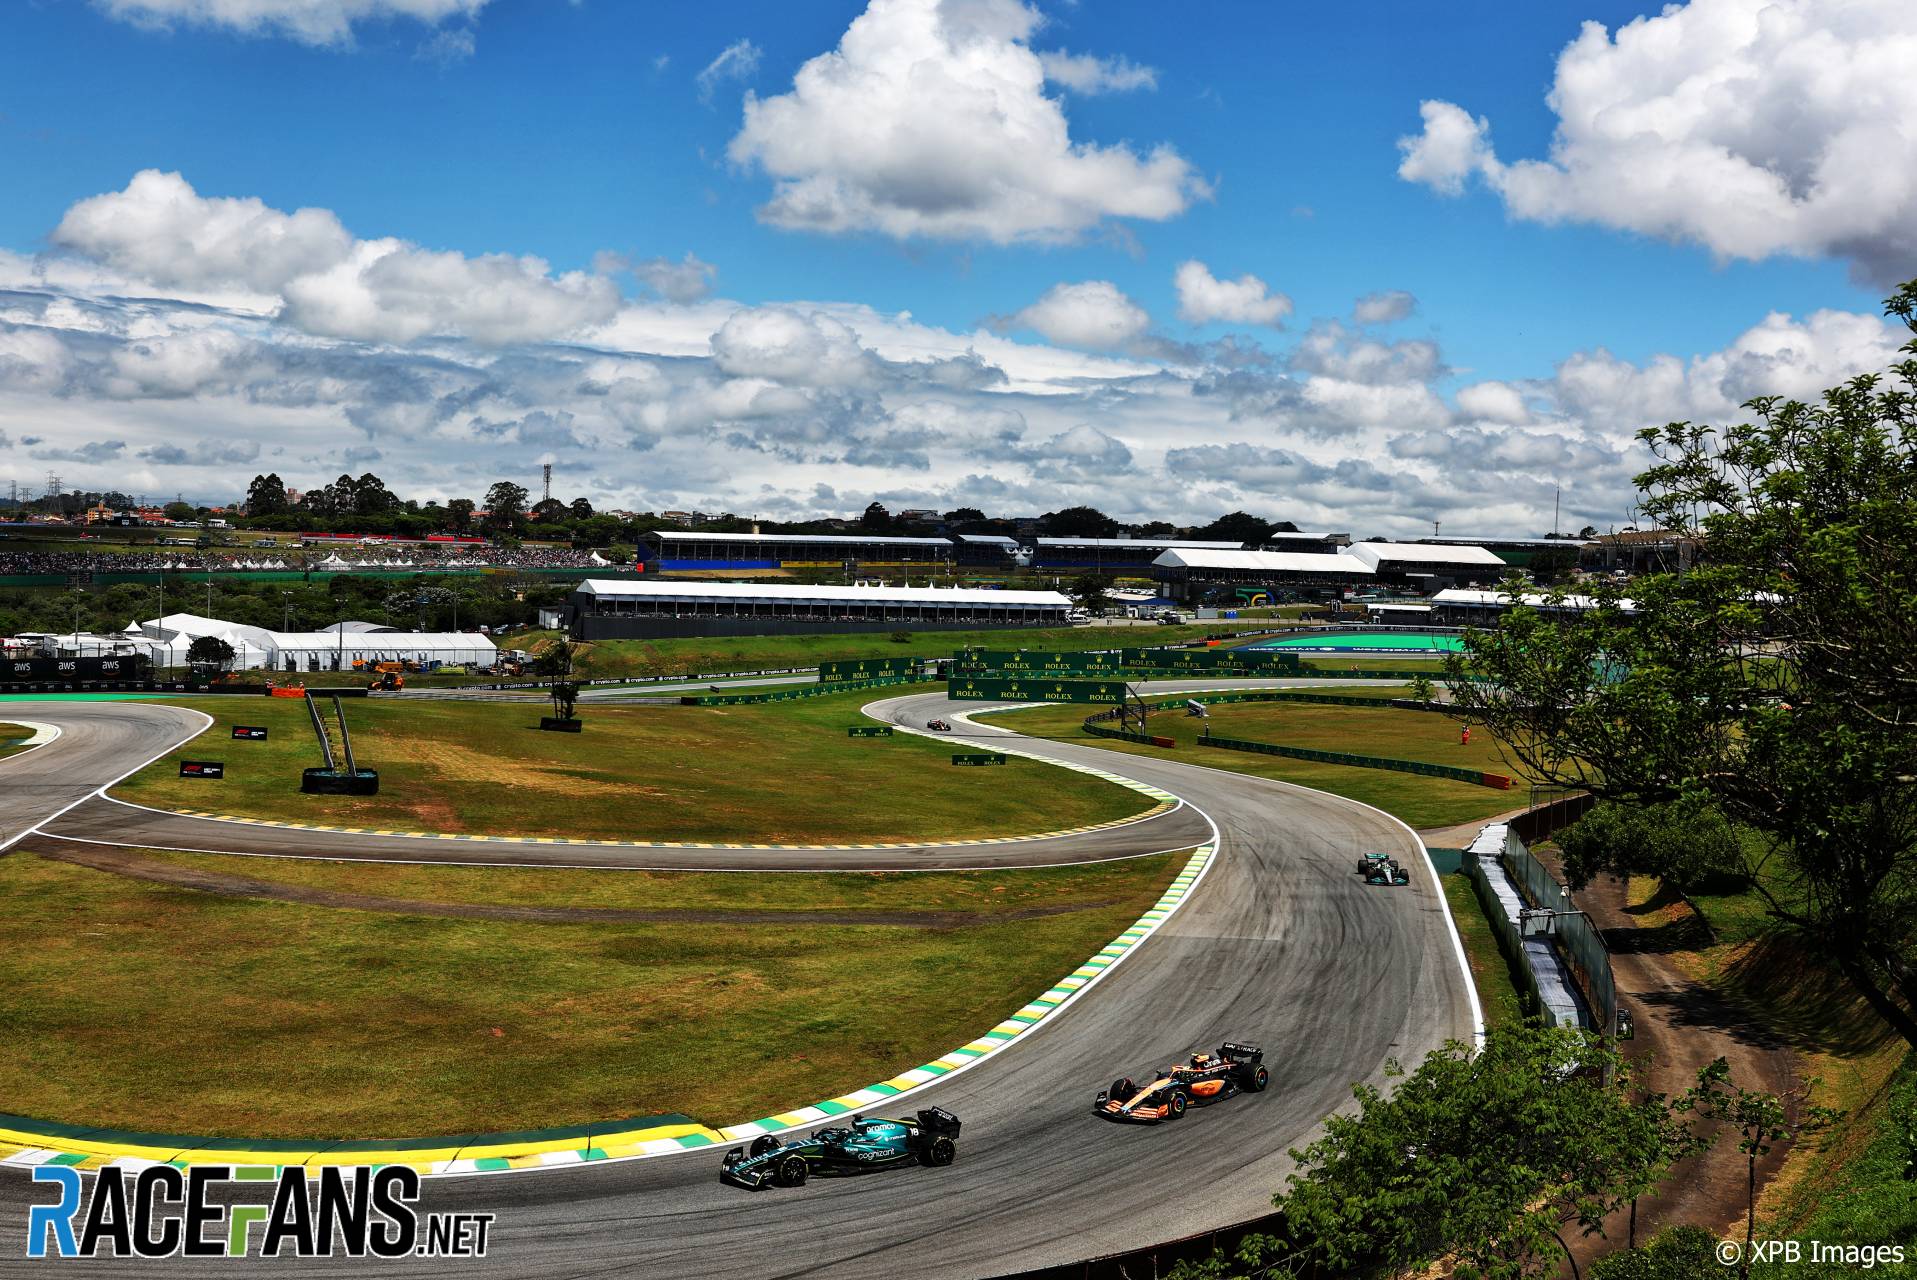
[(1281, 944)]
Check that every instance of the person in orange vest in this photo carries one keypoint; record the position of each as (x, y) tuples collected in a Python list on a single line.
[(1464, 736)]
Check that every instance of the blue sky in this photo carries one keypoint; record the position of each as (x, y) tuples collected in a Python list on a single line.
[(571, 130)]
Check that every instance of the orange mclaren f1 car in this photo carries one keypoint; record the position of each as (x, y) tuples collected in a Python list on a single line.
[(1200, 1081)]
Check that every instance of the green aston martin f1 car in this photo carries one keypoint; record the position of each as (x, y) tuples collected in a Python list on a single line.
[(929, 1139)]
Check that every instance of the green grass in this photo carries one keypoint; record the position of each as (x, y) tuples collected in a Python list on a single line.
[(11, 736), (1490, 972), (137, 1006), (1400, 735), (742, 653), (781, 773), (1832, 1185)]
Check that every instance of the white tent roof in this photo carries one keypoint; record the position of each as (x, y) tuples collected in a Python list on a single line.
[(1266, 562), (689, 535), (1372, 553)]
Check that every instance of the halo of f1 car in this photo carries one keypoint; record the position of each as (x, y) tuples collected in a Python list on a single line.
[(1198, 1082), (1381, 868), (931, 1138)]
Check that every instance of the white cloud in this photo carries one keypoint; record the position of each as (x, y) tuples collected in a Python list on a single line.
[(782, 345), (737, 61), (1095, 314), (1388, 307), (1493, 402), (1751, 127), (685, 280), (1203, 299), (930, 119), (317, 22), (1088, 73), (161, 230)]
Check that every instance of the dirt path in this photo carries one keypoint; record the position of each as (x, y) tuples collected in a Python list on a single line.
[(123, 862), (1682, 1025)]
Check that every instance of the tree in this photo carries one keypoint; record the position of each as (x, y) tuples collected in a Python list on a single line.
[(1482, 1157), (876, 518), (177, 511), (1239, 526), (1088, 592), (1774, 680), (371, 496), (266, 496), (549, 509), (1675, 1253), (1686, 843), (460, 511), (505, 505), (1080, 522), (209, 651), (1760, 1120), (964, 515), (1553, 564), (580, 509)]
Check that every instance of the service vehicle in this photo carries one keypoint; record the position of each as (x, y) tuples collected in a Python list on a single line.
[(930, 1138), (1199, 1081)]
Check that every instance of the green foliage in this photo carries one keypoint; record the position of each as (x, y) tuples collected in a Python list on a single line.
[(1774, 680), (1683, 842), (209, 651), (1759, 1120), (1483, 1158), (901, 637), (1676, 1253), (1088, 592)]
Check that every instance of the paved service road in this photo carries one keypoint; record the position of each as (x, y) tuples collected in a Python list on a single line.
[(1281, 944)]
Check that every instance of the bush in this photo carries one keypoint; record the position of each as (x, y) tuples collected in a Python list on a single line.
[(901, 637), (1676, 1253)]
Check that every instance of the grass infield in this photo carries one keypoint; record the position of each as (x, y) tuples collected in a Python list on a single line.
[(136, 1005), (780, 773), (1394, 734), (13, 738)]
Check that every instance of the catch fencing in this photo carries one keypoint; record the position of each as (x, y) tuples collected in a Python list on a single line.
[(1497, 781)]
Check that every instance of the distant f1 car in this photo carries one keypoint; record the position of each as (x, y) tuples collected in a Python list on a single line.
[(1379, 868), (929, 1139), (939, 726), (1202, 1080)]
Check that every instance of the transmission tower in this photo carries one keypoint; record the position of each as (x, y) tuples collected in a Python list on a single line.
[(546, 490)]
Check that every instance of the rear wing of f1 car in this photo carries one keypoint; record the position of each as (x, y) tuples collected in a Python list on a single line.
[(1235, 1051)]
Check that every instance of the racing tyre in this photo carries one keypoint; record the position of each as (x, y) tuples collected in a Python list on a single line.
[(763, 1143), (1176, 1104), (1256, 1080), (939, 1152), (1122, 1089), (791, 1172)]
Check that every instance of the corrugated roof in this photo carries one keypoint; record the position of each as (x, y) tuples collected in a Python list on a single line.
[(788, 593), (1421, 553), (1266, 562), (1130, 543), (687, 535)]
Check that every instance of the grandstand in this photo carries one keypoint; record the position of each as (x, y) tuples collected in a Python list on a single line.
[(607, 609), (1210, 575), (691, 551)]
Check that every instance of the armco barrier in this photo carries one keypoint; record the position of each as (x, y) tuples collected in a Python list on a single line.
[(1497, 781), (787, 695)]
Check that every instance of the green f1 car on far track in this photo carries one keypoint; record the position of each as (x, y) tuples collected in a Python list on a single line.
[(930, 1139), (1382, 868)]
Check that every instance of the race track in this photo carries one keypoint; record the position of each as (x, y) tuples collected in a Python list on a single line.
[(1280, 944)]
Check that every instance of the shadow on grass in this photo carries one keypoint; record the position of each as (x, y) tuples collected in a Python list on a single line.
[(1809, 1005)]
